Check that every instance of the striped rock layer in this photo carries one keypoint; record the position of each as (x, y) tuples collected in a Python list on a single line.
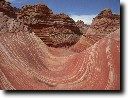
[(102, 25), (26, 63), (56, 30)]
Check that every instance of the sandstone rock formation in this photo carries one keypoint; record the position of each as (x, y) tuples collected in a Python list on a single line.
[(26, 63), (82, 26), (11, 25), (54, 29), (8, 21), (7, 8), (104, 23), (57, 30), (89, 40)]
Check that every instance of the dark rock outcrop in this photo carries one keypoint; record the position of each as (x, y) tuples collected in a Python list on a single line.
[(82, 26), (8, 21), (54, 29), (7, 9), (11, 25)]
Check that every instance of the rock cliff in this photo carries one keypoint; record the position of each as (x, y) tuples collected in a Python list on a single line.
[(8, 19), (27, 63), (7, 8), (82, 26), (104, 23), (54, 29)]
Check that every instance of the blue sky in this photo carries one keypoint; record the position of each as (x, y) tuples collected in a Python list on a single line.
[(85, 10)]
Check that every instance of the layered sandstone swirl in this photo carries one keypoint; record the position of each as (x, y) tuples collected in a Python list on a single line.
[(41, 50)]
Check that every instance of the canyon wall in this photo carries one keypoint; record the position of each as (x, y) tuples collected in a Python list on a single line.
[(54, 29)]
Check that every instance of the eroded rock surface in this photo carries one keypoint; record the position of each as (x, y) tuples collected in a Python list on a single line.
[(104, 23), (7, 8), (57, 30), (54, 29), (82, 26), (11, 25), (8, 21), (27, 63)]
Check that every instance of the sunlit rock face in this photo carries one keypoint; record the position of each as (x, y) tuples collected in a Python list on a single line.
[(28, 63), (56, 30), (102, 25)]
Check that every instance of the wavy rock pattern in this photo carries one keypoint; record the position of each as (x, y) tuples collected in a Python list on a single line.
[(89, 40), (27, 63), (102, 25)]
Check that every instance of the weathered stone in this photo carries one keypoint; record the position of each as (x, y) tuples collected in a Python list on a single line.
[(8, 21), (7, 9), (46, 25), (104, 23), (27, 63), (8, 24), (82, 26)]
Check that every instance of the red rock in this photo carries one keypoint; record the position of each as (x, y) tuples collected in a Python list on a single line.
[(7, 9), (104, 23), (89, 40), (8, 21), (46, 25), (26, 63), (82, 26)]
